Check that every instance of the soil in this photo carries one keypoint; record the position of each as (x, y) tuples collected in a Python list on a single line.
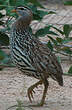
[(13, 87)]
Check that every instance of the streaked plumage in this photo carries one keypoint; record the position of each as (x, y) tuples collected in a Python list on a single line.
[(31, 56)]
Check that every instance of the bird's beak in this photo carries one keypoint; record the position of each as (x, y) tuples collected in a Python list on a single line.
[(14, 11)]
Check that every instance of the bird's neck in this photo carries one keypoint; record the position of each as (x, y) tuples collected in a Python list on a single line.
[(23, 22)]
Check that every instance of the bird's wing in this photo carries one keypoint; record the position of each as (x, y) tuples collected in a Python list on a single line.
[(44, 60), (43, 55)]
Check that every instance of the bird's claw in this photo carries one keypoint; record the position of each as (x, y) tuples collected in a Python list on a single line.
[(30, 93), (31, 90)]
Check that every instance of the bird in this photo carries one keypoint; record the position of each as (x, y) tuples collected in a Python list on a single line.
[(31, 56)]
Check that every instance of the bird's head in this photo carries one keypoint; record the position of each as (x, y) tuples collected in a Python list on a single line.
[(24, 13), (22, 10)]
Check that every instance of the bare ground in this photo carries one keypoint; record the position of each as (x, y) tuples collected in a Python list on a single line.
[(13, 86)]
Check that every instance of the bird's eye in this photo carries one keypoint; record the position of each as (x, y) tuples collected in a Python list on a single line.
[(22, 8)]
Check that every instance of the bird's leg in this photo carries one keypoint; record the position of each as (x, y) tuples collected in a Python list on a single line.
[(31, 90), (44, 93)]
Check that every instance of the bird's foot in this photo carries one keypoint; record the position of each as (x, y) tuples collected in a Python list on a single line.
[(31, 90), (30, 93)]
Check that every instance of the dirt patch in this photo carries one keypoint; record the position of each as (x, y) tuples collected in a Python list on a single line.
[(13, 86)]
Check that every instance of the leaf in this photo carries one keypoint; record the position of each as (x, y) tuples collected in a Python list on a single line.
[(44, 31), (50, 45), (67, 29), (38, 14), (42, 13), (53, 40), (70, 70), (4, 39), (2, 7), (12, 2), (59, 59), (51, 12), (67, 50), (17, 2), (52, 33), (61, 32), (33, 8), (59, 40), (68, 2), (2, 55), (69, 39), (35, 2), (19, 105), (4, 59), (3, 4), (36, 17)]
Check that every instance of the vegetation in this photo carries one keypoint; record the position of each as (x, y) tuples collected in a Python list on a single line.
[(20, 106), (57, 45)]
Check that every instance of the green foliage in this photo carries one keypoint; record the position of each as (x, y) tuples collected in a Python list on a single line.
[(53, 40), (67, 50), (70, 70), (44, 31), (35, 2), (59, 59), (2, 55), (60, 31), (67, 29), (4, 59), (4, 39), (49, 44), (20, 106), (68, 2), (59, 40), (16, 2)]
